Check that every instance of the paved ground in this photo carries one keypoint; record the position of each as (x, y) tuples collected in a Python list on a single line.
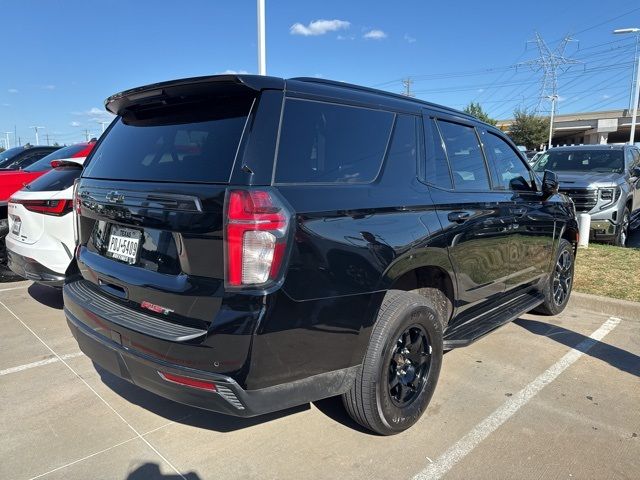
[(539, 398)]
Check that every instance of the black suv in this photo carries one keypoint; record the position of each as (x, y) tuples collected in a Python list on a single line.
[(247, 244)]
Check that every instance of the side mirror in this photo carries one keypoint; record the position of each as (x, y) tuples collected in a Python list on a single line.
[(635, 171), (550, 183)]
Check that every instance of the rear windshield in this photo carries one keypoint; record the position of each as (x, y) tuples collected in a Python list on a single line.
[(55, 180), (195, 142), (44, 164), (603, 161)]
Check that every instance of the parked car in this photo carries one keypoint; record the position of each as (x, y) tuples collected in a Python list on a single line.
[(603, 181), (247, 244), (20, 157), (12, 181), (5, 274), (40, 242)]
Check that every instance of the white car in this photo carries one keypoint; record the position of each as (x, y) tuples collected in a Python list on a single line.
[(40, 243)]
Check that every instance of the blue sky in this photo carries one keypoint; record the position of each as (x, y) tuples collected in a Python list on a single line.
[(61, 59)]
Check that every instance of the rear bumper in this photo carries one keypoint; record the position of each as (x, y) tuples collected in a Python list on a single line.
[(32, 270), (105, 348)]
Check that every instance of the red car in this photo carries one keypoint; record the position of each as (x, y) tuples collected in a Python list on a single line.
[(13, 180)]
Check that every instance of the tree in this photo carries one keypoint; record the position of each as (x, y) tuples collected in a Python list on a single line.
[(528, 129), (476, 110)]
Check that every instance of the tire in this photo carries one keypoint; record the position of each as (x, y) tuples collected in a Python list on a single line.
[(623, 229), (561, 277), (391, 391)]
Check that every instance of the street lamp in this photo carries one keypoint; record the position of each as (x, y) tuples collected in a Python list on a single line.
[(554, 99), (637, 86)]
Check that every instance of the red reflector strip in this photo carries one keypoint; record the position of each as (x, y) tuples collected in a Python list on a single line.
[(188, 381)]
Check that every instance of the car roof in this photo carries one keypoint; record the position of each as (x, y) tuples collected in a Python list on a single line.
[(590, 147), (303, 85)]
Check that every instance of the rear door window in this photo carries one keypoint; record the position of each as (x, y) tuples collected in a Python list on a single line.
[(44, 163), (330, 143), (197, 142), (436, 170), (465, 156)]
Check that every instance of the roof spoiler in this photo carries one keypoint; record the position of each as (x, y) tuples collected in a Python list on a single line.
[(187, 87)]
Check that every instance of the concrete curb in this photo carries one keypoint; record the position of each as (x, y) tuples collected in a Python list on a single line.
[(609, 306)]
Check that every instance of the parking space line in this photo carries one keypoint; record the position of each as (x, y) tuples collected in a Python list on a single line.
[(14, 288), (471, 440), (106, 449), (46, 361), (95, 392)]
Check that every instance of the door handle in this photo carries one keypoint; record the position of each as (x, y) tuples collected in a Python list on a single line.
[(458, 217)]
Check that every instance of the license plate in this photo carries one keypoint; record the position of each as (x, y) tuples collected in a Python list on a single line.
[(123, 244), (15, 228)]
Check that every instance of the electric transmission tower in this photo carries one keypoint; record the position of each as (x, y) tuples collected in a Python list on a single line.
[(407, 87), (551, 62)]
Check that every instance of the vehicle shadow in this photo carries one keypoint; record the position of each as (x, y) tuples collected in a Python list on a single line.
[(47, 296), (614, 356), (151, 471), (332, 407), (184, 414)]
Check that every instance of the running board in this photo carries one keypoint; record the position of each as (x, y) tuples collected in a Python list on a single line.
[(484, 323)]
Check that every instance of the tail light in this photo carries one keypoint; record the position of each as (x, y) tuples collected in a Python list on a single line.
[(256, 236), (76, 213), (56, 208)]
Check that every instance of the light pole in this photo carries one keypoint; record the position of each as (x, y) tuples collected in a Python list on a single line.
[(262, 49), (554, 99), (636, 96), (36, 129)]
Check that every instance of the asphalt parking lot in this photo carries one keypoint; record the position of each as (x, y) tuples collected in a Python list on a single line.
[(540, 398)]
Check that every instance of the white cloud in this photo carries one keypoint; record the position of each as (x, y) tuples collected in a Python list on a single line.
[(233, 72), (375, 35), (409, 38), (75, 124), (6, 105), (606, 97), (13, 90), (318, 27), (49, 87), (346, 37), (480, 90)]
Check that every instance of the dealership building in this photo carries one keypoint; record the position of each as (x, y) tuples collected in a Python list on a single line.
[(610, 126)]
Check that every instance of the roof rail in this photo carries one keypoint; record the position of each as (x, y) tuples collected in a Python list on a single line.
[(376, 91)]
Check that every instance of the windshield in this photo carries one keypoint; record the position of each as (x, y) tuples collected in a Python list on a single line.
[(8, 154), (596, 161), (44, 163)]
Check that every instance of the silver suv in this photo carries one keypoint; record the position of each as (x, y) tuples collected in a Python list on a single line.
[(603, 181)]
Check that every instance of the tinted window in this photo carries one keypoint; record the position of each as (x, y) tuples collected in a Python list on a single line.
[(583, 160), (196, 142), (27, 159), (509, 171), (328, 143), (465, 156), (437, 167), (65, 152), (7, 154), (55, 180)]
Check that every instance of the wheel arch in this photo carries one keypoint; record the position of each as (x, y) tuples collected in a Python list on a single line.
[(428, 268)]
